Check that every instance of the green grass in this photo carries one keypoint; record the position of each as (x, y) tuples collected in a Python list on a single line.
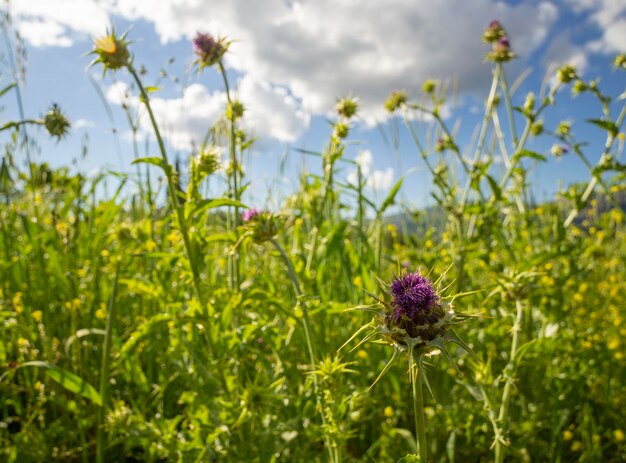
[(138, 328)]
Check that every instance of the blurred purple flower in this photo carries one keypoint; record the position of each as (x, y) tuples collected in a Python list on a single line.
[(250, 214)]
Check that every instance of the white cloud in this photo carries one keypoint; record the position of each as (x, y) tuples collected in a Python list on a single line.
[(83, 123), (609, 16), (44, 32), (56, 23), (184, 121), (271, 111), (326, 48), (375, 179)]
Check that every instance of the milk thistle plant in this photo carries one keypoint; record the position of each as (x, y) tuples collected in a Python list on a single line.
[(414, 317)]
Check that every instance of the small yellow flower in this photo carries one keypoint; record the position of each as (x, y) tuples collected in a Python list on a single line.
[(37, 316), (150, 245), (577, 446), (18, 305), (362, 354), (388, 412), (619, 436), (22, 342), (101, 313), (358, 281), (568, 435), (105, 253)]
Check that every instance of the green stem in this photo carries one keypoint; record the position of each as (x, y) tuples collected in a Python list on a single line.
[(418, 408), (234, 193), (509, 373), (507, 102), (172, 191), (306, 322), (104, 375)]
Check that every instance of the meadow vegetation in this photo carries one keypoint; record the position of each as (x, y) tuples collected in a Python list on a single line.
[(165, 325)]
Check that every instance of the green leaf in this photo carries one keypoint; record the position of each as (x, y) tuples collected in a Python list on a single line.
[(154, 160), (609, 126), (531, 154), (389, 200), (7, 88), (67, 380), (497, 192)]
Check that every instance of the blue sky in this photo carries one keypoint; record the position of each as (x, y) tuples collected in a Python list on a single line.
[(292, 59)]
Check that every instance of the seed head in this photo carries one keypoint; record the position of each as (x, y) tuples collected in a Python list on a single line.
[(55, 122), (208, 49)]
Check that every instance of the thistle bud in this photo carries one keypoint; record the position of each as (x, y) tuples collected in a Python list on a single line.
[(565, 74), (493, 32), (208, 49), (559, 150), (579, 87), (396, 100), (564, 128), (429, 86), (235, 110), (340, 131), (112, 51), (347, 107), (262, 226), (501, 51), (536, 128), (55, 122)]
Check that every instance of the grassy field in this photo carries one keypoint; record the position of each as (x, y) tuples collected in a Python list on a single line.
[(165, 325)]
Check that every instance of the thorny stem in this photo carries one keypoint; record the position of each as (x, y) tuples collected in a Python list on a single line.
[(418, 407), (509, 373)]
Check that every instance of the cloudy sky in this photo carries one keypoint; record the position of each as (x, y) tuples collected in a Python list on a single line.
[(289, 62)]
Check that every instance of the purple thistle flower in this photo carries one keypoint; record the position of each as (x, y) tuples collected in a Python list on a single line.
[(208, 49), (504, 43), (495, 24), (413, 297), (250, 214)]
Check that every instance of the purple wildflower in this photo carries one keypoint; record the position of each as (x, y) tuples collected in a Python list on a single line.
[(208, 49), (250, 214), (504, 43), (495, 24), (413, 296)]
